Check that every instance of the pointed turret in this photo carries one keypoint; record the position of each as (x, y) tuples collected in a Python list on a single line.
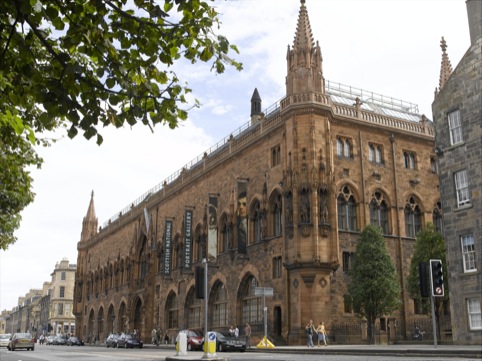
[(445, 68), (255, 106), (89, 224), (305, 74)]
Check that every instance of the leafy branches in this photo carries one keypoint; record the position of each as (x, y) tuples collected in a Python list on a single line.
[(84, 65)]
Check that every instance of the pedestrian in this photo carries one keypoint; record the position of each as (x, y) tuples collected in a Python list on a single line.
[(158, 336), (310, 330), (231, 331), (153, 336), (321, 333), (236, 331), (247, 332)]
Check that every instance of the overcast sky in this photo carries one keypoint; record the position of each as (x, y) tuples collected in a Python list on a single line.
[(388, 47)]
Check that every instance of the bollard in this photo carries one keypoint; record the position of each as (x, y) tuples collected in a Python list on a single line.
[(181, 344)]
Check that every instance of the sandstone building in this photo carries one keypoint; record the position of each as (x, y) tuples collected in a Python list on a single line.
[(48, 310), (280, 204), (457, 114)]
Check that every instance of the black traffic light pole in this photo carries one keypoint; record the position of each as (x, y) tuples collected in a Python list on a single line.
[(434, 322), (437, 290)]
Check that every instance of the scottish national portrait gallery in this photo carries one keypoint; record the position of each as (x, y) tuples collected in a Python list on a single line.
[(279, 204)]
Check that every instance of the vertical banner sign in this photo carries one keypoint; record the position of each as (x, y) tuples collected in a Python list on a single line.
[(167, 247), (213, 227), (242, 217), (187, 239)]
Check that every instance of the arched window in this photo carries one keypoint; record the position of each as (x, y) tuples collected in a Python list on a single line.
[(122, 317), (199, 250), (143, 260), (409, 159), (437, 217), (172, 309), (256, 216), (193, 309), (225, 234), (413, 218), (375, 153), (100, 321), (346, 210), (347, 148), (252, 304), (159, 258), (343, 147), (339, 147), (379, 212), (219, 307), (275, 215), (110, 319)]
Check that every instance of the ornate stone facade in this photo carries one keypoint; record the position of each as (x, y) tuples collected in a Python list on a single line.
[(311, 173)]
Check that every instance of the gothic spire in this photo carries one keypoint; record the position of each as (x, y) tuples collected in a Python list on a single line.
[(89, 224), (446, 68), (304, 60)]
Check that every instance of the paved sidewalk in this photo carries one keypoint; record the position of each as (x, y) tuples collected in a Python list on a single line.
[(407, 350)]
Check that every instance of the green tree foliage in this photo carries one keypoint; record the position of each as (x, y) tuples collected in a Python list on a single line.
[(84, 65), (429, 245), (374, 289)]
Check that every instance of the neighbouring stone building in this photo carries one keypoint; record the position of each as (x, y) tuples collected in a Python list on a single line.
[(47, 310), (457, 114), (61, 298), (279, 204)]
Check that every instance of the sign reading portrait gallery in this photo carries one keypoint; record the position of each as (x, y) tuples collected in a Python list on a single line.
[(167, 247), (187, 239)]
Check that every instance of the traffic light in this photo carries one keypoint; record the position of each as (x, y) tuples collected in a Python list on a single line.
[(199, 282), (437, 278), (423, 279)]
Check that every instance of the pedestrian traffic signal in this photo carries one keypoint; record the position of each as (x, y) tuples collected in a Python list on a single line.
[(423, 279), (437, 278)]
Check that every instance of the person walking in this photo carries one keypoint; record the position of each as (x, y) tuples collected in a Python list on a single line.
[(310, 330), (153, 336), (247, 332), (321, 333)]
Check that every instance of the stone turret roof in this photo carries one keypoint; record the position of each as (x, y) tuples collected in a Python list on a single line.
[(445, 68)]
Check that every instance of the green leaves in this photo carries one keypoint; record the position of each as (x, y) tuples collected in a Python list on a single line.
[(90, 64), (374, 288)]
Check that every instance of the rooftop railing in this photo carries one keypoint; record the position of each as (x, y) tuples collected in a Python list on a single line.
[(331, 88)]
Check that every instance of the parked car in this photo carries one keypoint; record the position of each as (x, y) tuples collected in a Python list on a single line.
[(5, 339), (74, 341), (21, 340), (225, 342), (194, 340), (127, 340), (49, 340), (59, 340), (111, 340)]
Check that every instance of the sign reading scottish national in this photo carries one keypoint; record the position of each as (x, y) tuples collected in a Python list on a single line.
[(167, 247), (187, 239)]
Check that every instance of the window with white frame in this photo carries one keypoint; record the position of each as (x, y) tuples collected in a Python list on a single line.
[(462, 188), (455, 127), (474, 314), (468, 252)]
